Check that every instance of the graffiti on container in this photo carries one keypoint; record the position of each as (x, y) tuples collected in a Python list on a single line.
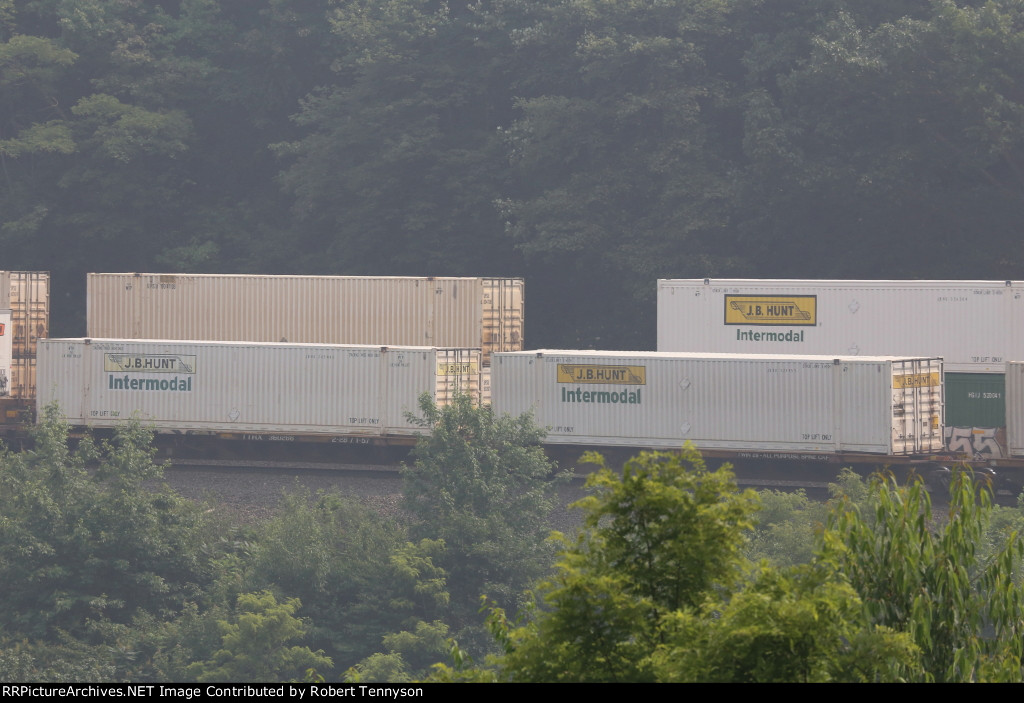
[(976, 442)]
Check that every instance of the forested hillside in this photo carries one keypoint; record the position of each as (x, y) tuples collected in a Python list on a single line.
[(604, 142)]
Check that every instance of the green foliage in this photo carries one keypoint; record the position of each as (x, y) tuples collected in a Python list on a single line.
[(355, 573), (400, 161), (80, 544), (670, 526), (36, 61), (53, 136), (484, 486), (657, 540), (801, 624), (609, 142), (787, 529), (409, 654), (923, 576), (655, 589), (255, 644), (123, 132), (56, 662)]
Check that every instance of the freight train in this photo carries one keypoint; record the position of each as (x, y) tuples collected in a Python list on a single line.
[(794, 376)]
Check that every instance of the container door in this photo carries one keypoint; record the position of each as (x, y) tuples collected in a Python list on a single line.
[(917, 406)]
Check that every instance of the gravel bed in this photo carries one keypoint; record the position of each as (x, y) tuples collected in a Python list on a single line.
[(251, 495)]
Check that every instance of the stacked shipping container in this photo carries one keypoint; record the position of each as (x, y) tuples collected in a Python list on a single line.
[(976, 326), (484, 313)]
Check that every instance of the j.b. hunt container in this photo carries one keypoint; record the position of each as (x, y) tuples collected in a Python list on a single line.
[(484, 313), (225, 387), (783, 403), (976, 326)]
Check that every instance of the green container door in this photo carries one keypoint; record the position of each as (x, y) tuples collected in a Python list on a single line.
[(975, 400)]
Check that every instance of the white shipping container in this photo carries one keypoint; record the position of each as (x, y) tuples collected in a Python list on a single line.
[(6, 336), (1015, 408), (288, 389), (974, 325), (781, 403), (484, 313), (30, 312)]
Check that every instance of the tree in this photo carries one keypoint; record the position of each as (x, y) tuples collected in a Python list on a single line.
[(655, 541), (655, 588), (78, 545), (922, 576), (401, 160), (483, 485), (357, 576), (255, 644), (797, 624), (619, 153), (788, 528)]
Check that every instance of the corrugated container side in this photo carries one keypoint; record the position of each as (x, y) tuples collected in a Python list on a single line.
[(503, 303), (60, 377), (781, 404), (439, 312), (182, 386), (23, 378), (5, 290), (974, 325), (30, 314), (1015, 407), (5, 353)]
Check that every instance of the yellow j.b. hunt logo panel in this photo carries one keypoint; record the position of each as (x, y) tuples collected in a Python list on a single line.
[(456, 368), (602, 373), (771, 310), (150, 363), (916, 380)]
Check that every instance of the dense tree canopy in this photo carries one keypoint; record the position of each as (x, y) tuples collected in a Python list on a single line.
[(82, 542), (483, 484), (608, 142)]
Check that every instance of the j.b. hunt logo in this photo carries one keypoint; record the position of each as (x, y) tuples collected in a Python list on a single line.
[(150, 363), (602, 373), (184, 364), (771, 310), (606, 374)]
